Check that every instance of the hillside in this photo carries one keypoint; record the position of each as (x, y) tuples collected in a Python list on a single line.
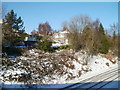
[(65, 66)]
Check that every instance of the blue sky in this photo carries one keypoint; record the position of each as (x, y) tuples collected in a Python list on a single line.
[(34, 13)]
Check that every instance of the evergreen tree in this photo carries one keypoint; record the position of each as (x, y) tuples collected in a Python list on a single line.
[(12, 28), (45, 45), (104, 42), (105, 45), (114, 39), (101, 29), (114, 36)]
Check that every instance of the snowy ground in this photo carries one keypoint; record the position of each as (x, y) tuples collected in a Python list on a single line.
[(62, 67)]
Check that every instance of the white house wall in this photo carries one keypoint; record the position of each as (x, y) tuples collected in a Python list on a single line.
[(60, 38)]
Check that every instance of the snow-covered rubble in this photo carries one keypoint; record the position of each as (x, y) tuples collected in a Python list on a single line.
[(39, 67), (98, 62)]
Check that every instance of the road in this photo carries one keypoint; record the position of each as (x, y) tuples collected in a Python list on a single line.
[(108, 79)]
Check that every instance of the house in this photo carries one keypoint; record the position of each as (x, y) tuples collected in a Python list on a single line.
[(31, 41), (60, 38), (31, 38), (0, 21)]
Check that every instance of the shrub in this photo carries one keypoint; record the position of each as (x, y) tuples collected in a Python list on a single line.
[(12, 51), (45, 45), (64, 47)]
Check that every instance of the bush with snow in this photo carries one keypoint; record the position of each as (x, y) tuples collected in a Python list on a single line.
[(39, 67)]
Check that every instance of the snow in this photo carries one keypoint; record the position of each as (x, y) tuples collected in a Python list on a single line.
[(98, 68), (56, 45), (92, 73), (75, 71), (24, 58), (98, 63), (84, 67)]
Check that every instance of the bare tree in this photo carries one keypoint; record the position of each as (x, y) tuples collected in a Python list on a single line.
[(75, 27), (84, 34), (34, 32), (44, 29), (114, 41)]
